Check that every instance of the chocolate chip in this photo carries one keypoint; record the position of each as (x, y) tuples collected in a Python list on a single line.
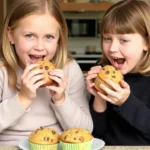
[(41, 67), (46, 67), (113, 76), (75, 138), (114, 72), (81, 138), (53, 132), (107, 72), (77, 132), (41, 128), (47, 138), (65, 137)]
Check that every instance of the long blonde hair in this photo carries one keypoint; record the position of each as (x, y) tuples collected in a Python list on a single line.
[(125, 17), (20, 9)]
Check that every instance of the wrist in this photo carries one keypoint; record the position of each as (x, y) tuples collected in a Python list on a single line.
[(24, 101), (60, 101), (99, 104)]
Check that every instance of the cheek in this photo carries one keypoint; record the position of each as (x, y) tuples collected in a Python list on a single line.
[(22, 44), (22, 48), (52, 48), (105, 49), (105, 46)]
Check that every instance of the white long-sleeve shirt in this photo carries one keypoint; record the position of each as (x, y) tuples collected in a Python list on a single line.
[(17, 123)]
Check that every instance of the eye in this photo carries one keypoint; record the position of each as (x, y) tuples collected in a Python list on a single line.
[(29, 35), (49, 36), (124, 41), (107, 39)]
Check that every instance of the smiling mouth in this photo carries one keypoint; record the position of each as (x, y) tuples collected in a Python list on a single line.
[(118, 62), (36, 58)]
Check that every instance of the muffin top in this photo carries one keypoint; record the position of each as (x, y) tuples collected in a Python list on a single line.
[(47, 66), (44, 135), (76, 135), (110, 72)]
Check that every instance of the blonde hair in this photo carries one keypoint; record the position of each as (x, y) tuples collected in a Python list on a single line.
[(20, 9), (126, 17)]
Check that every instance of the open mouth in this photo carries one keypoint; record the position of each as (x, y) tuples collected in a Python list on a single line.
[(118, 62), (36, 58)]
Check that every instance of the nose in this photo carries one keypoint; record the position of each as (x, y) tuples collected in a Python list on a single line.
[(39, 44), (113, 47)]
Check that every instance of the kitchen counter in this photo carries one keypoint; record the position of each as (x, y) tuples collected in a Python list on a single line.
[(105, 148)]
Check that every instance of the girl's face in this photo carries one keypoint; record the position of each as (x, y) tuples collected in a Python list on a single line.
[(124, 51), (35, 38)]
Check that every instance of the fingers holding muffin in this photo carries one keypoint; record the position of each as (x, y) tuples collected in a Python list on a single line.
[(111, 86), (57, 90), (31, 80), (54, 80), (92, 74), (118, 95)]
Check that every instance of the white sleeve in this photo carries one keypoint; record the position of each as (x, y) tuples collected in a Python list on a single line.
[(10, 108)]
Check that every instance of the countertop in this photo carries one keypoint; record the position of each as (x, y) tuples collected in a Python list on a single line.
[(105, 148)]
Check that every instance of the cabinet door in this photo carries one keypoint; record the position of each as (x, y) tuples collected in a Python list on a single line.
[(72, 6), (2, 11)]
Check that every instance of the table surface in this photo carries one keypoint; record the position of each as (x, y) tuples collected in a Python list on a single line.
[(105, 148)]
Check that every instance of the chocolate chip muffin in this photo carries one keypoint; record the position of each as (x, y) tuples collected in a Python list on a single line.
[(107, 72), (76, 135), (44, 138), (47, 66), (76, 138)]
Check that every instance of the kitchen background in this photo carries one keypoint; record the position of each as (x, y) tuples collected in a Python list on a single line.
[(83, 19)]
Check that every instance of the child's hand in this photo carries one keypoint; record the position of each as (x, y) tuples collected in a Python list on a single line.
[(92, 74), (30, 81), (117, 96), (57, 90)]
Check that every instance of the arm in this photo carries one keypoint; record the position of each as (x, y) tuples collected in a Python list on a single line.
[(10, 112), (136, 113), (10, 108), (99, 120), (74, 112)]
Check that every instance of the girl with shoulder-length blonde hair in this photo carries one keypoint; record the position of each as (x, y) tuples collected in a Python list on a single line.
[(15, 14), (121, 115), (35, 31)]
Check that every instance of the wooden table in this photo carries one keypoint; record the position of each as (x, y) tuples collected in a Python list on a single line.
[(105, 148)]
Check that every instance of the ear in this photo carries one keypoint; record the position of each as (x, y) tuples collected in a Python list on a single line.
[(146, 47), (9, 34)]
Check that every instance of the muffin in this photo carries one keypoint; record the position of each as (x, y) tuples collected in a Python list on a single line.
[(107, 72), (76, 139), (47, 66), (44, 138)]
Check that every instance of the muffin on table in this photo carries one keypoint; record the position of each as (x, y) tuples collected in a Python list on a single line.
[(76, 139), (44, 138)]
